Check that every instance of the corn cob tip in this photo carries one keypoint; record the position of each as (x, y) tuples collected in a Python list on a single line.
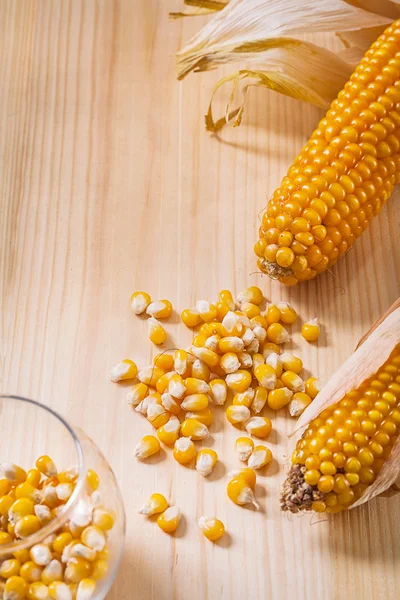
[(296, 494)]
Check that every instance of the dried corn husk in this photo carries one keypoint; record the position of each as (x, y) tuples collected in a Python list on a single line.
[(200, 7), (262, 36), (374, 350)]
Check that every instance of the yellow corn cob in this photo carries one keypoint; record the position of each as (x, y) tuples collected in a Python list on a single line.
[(343, 450), (343, 175)]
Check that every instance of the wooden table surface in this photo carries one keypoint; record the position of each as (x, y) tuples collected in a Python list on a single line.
[(109, 183)]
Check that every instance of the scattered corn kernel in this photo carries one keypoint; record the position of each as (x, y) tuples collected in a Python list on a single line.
[(218, 391), (288, 314), (170, 404), (195, 402), (291, 362), (86, 589), (180, 362), (205, 416), (41, 554), (252, 294), (277, 334), (168, 521), (244, 447), (231, 325), (194, 429), (212, 528), (266, 376), (292, 381), (165, 361), (184, 450), (239, 381), (38, 591), (205, 461), (226, 297), (176, 387), (230, 362), (240, 492), (126, 369), (191, 317), (311, 330), (157, 415), (274, 361), (298, 404), (244, 398), (169, 433), (156, 504), (147, 446), (200, 370), (139, 302), (237, 414), (15, 588), (207, 311), (26, 526), (160, 309), (150, 375), (260, 399), (260, 457), (313, 387), (278, 398), (157, 333), (259, 426), (13, 473)]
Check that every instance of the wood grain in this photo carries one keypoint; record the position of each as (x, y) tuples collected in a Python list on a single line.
[(109, 184)]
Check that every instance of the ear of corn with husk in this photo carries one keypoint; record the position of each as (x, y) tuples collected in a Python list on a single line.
[(369, 378)]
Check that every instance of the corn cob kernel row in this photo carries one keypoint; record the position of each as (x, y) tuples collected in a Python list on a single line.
[(342, 177), (68, 563), (343, 450)]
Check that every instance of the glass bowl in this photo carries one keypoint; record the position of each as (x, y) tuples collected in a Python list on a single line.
[(65, 528)]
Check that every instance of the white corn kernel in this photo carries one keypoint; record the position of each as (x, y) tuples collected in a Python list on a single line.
[(205, 461), (245, 360), (253, 347), (93, 537), (40, 554), (248, 336), (259, 457), (86, 589), (260, 333), (82, 551), (218, 391)]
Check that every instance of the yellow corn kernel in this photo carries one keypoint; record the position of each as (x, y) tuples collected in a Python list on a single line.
[(20, 508), (259, 321), (59, 590), (163, 382), (252, 294), (15, 588), (218, 391), (213, 529), (137, 394), (157, 333), (164, 361), (43, 513), (259, 426), (298, 404), (92, 479), (196, 386), (180, 362), (156, 504), (207, 311), (195, 402), (86, 589), (100, 568), (147, 446), (170, 404), (230, 344), (244, 447), (266, 376), (93, 537), (260, 457), (249, 336), (46, 465), (76, 570), (318, 506), (61, 541), (139, 302), (279, 398), (126, 369), (270, 348), (22, 556), (52, 572), (203, 416), (103, 518), (5, 487), (237, 414), (288, 314), (26, 490), (244, 398), (313, 387), (292, 381), (231, 325), (291, 362), (226, 297), (191, 428), (277, 334), (176, 387), (230, 363), (240, 492), (206, 460), (184, 450), (274, 361), (260, 399), (210, 358), (5, 538), (245, 360), (70, 475), (239, 381), (191, 317), (169, 433), (311, 330), (38, 591), (272, 314), (150, 375), (157, 415), (222, 310), (200, 370), (212, 342), (168, 521), (258, 359), (26, 526), (250, 310), (40, 554), (9, 568), (160, 309), (249, 475), (13, 473)]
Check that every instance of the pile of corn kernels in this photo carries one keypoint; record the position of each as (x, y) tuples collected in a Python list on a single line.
[(66, 564), (235, 358)]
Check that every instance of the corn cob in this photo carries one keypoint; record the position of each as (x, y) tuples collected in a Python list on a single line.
[(343, 175), (350, 450)]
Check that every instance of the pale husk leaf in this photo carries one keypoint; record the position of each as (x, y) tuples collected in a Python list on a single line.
[(363, 363), (200, 7), (245, 26), (292, 67)]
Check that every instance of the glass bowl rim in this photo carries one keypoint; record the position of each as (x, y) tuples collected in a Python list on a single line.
[(71, 503)]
